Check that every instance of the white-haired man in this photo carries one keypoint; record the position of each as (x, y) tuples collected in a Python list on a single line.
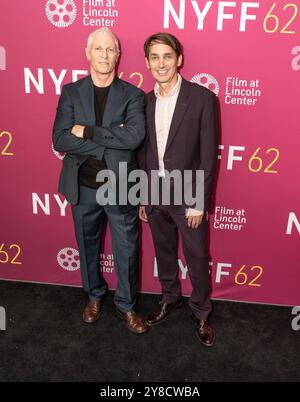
[(100, 123)]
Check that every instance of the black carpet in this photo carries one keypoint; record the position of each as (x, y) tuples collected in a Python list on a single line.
[(46, 340)]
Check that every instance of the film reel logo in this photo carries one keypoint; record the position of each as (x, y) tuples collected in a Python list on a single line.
[(208, 81), (68, 259), (61, 13)]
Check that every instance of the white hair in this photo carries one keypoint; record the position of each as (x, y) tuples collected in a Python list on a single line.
[(102, 30)]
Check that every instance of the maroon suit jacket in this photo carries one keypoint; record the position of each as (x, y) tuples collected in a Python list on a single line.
[(193, 137)]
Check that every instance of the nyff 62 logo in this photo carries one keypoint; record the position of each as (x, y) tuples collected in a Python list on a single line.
[(2, 319), (296, 320)]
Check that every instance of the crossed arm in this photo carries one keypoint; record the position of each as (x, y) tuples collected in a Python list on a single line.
[(62, 137), (68, 136)]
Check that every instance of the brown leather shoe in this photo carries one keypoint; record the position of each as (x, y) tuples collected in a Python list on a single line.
[(162, 312), (204, 332), (92, 311), (134, 323)]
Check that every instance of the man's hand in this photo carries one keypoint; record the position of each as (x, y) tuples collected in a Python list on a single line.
[(142, 214), (78, 130), (194, 218)]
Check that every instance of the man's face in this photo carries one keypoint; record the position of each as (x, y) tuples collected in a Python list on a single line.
[(163, 63), (103, 54)]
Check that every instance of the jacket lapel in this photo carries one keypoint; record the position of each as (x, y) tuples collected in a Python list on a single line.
[(86, 94), (114, 102), (179, 112)]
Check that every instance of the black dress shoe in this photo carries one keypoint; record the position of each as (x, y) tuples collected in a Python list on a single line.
[(204, 332), (162, 312)]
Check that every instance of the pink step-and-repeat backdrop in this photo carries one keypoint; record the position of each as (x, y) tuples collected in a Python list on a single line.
[(248, 53)]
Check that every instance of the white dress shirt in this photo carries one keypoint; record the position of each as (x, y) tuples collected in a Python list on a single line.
[(164, 110)]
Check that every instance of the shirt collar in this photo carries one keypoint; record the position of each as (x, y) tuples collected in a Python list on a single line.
[(174, 91)]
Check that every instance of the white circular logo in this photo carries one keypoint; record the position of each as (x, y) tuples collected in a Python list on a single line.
[(68, 259), (61, 13), (208, 81)]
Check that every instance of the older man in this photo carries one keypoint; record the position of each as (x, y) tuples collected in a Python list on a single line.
[(99, 123)]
